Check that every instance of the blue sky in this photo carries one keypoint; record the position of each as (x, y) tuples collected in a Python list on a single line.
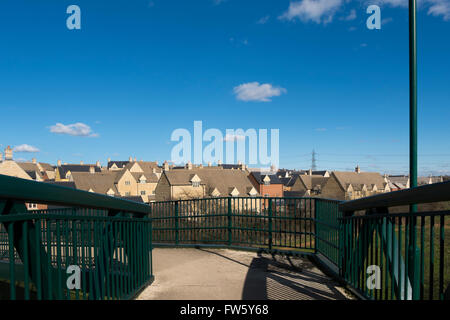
[(138, 70)]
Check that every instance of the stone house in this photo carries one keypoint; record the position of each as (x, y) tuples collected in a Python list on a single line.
[(310, 185), (353, 185), (192, 183)]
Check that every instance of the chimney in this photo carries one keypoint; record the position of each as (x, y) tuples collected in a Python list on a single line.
[(91, 169), (189, 165), (166, 166), (357, 169), (239, 162), (273, 168), (310, 172), (81, 162), (58, 163), (109, 159), (1, 157), (135, 160), (154, 170), (8, 153), (34, 160), (209, 164), (130, 159), (98, 164), (219, 162)]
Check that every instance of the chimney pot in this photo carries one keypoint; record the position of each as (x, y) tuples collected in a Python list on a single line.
[(34, 160)]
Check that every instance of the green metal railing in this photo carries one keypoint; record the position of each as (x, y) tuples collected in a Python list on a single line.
[(305, 225), (408, 250), (107, 239)]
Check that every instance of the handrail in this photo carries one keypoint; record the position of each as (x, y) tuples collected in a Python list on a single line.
[(18, 189), (424, 194)]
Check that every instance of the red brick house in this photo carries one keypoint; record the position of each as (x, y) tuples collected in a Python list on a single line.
[(268, 185)]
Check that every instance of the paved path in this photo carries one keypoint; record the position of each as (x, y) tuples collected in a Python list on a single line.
[(222, 274)]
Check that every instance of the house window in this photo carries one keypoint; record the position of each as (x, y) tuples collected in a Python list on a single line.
[(266, 183), (144, 181), (127, 194), (127, 183), (196, 184), (143, 193)]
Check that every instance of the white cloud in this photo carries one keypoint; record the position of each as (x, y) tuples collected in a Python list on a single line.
[(440, 8), (317, 11), (26, 148), (253, 91), (76, 129), (233, 137), (435, 7)]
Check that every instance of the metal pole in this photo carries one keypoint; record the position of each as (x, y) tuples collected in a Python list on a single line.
[(413, 250), (412, 98)]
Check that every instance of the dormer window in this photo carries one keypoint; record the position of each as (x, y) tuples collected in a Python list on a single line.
[(142, 179), (195, 181), (127, 183), (266, 180)]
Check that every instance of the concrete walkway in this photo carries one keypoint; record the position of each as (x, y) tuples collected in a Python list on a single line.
[(222, 274)]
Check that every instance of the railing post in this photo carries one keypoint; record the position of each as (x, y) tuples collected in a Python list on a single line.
[(230, 235), (315, 223), (270, 223), (176, 223)]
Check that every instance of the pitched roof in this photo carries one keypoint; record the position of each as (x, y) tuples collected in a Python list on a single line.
[(313, 181), (31, 169), (149, 176), (357, 180), (148, 166), (259, 177), (119, 164), (46, 166), (97, 182), (63, 169), (222, 180)]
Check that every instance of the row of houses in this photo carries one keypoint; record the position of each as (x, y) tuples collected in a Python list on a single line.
[(146, 181)]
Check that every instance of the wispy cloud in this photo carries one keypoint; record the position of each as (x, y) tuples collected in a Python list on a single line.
[(263, 20), (318, 11), (26, 148), (254, 91), (76, 129), (323, 11), (351, 16)]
